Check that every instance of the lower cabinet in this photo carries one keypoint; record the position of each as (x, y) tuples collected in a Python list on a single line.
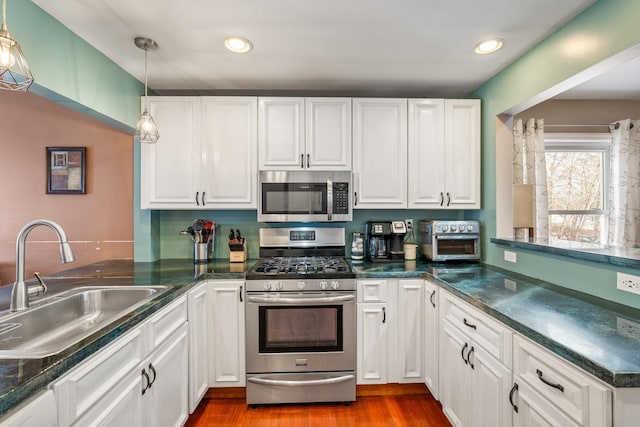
[(226, 333), (198, 312), (139, 380), (474, 383), (549, 391), (39, 411), (431, 347), (389, 331)]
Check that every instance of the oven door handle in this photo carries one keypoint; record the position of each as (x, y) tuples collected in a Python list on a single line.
[(319, 300), (460, 236), (302, 383)]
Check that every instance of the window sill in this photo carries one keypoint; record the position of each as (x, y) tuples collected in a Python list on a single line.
[(622, 257)]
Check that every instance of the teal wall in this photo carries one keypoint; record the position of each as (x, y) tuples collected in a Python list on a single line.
[(71, 72), (175, 245), (604, 29)]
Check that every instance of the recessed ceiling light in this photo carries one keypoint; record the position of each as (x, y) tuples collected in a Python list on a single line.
[(489, 46), (238, 44)]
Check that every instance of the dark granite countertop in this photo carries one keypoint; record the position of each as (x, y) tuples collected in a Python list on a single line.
[(22, 378), (599, 336)]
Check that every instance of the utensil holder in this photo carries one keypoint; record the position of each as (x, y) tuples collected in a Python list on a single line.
[(202, 252)]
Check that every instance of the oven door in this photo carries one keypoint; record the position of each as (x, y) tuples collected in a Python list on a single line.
[(300, 332), (452, 247)]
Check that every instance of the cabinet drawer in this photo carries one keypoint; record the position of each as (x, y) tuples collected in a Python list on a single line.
[(492, 335), (374, 290), (167, 321), (82, 387), (580, 397)]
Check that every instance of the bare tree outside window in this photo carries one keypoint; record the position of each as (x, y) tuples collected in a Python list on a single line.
[(576, 181)]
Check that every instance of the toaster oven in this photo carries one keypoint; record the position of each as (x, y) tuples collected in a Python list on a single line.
[(449, 240)]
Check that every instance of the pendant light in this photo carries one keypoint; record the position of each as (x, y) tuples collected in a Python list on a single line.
[(146, 130), (15, 74)]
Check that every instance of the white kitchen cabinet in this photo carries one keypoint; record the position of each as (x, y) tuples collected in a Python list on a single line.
[(444, 154), (372, 344), (226, 334), (170, 169), (229, 152), (138, 380), (380, 153), (550, 391), (410, 336), (39, 411), (304, 133), (475, 365), (198, 313), (431, 326), (205, 157), (389, 331)]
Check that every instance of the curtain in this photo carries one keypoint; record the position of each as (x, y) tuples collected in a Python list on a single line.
[(624, 184), (530, 167)]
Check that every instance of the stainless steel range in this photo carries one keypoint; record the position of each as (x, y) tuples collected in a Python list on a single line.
[(301, 318)]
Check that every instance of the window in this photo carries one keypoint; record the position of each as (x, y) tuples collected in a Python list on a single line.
[(577, 171)]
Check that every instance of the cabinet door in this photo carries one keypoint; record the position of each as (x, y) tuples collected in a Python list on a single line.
[(490, 387), (372, 343), (170, 169), (328, 133), (410, 336), (167, 395), (281, 133), (431, 337), (198, 344), (454, 387), (536, 411), (229, 145), (426, 153), (40, 411), (462, 153), (226, 343), (380, 153)]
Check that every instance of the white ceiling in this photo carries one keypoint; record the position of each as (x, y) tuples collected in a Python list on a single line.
[(386, 47)]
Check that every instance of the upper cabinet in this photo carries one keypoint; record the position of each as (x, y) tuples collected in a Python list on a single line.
[(380, 153), (444, 154), (304, 133), (205, 157)]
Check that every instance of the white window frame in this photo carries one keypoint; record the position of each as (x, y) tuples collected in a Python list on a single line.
[(585, 142)]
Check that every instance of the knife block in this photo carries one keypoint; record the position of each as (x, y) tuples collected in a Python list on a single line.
[(238, 251)]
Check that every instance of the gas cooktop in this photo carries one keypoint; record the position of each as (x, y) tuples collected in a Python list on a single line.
[(305, 265)]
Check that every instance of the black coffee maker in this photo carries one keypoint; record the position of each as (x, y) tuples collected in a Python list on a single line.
[(396, 245), (378, 240)]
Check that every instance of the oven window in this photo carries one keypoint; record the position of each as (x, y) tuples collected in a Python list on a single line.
[(286, 329), (457, 246), (278, 198)]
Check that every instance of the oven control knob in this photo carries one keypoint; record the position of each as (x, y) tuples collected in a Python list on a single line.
[(445, 228), (267, 286), (469, 227), (453, 228), (301, 285), (335, 284), (323, 285), (278, 286)]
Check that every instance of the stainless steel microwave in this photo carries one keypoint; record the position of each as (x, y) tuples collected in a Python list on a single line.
[(299, 196)]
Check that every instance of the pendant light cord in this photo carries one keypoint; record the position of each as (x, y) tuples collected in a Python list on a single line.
[(4, 15), (146, 98)]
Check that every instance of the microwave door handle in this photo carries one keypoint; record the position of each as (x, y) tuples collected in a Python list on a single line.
[(329, 199)]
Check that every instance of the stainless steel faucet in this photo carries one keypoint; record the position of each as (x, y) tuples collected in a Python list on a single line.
[(20, 292)]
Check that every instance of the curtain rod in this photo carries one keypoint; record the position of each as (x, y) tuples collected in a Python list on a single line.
[(585, 126)]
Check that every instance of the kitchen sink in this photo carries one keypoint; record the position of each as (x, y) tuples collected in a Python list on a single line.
[(59, 321)]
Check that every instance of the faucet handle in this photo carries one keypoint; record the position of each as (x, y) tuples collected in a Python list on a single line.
[(38, 290)]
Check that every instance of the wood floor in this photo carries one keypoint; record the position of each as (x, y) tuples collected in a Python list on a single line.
[(395, 405)]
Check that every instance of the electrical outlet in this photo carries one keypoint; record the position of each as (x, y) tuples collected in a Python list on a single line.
[(628, 283), (409, 224), (510, 256)]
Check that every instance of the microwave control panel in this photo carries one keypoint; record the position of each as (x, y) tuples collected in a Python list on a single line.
[(340, 198)]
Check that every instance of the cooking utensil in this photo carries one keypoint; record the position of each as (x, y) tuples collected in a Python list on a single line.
[(232, 235)]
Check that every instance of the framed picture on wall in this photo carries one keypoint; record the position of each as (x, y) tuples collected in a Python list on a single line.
[(66, 170)]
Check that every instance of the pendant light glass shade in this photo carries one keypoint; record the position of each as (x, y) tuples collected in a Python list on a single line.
[(146, 129), (15, 74)]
